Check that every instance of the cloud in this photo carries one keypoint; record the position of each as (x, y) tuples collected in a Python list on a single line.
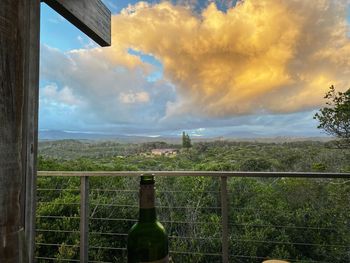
[(51, 94), (260, 56), (139, 97), (97, 91), (84, 94), (218, 69)]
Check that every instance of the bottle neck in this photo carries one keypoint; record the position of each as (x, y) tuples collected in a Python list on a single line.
[(147, 215), (147, 204)]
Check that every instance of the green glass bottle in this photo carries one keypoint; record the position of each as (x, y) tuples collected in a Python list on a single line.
[(147, 239)]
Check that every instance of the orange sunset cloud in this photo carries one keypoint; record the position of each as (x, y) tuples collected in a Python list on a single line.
[(259, 56)]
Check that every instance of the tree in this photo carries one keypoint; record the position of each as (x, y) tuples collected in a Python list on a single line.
[(334, 119), (186, 140)]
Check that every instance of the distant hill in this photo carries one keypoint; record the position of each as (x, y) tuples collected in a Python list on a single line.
[(54, 135), (64, 135), (282, 139), (57, 135)]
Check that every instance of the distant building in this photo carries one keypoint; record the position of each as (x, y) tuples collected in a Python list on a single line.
[(165, 152)]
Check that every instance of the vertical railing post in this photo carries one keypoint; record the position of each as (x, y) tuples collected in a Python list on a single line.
[(84, 218), (224, 218)]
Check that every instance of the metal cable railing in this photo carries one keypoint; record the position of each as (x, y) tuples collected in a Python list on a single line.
[(219, 214)]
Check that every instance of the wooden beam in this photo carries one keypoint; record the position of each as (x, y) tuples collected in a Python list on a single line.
[(30, 124), (90, 16), (19, 86), (12, 17)]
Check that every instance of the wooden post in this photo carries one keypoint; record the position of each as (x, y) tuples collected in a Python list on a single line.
[(224, 219), (18, 86), (30, 126), (84, 218)]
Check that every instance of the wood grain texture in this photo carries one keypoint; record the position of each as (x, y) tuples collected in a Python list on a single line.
[(11, 120), (90, 16), (30, 127)]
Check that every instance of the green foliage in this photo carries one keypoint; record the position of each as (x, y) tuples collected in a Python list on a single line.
[(256, 165), (58, 217), (268, 218), (288, 219), (319, 167), (186, 140), (203, 156), (335, 117)]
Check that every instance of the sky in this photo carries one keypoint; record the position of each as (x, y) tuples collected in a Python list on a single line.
[(252, 68)]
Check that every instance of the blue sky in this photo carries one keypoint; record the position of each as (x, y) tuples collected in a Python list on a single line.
[(198, 66)]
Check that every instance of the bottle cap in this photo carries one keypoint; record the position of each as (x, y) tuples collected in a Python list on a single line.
[(147, 179)]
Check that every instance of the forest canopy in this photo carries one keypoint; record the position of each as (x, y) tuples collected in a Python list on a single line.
[(334, 118)]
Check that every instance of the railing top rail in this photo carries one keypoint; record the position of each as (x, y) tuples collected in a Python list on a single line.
[(199, 173)]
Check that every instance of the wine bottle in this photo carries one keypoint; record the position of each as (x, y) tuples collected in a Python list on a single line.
[(147, 239)]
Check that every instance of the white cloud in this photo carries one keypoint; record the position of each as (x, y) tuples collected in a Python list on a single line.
[(106, 94), (51, 93), (259, 56), (138, 97)]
